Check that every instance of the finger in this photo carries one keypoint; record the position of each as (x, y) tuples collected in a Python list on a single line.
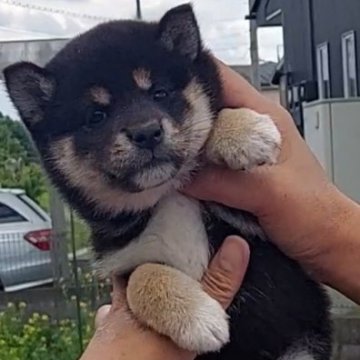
[(231, 188), (118, 294), (238, 92), (226, 272), (101, 315)]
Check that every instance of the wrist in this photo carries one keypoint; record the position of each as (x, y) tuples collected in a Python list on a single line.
[(338, 262)]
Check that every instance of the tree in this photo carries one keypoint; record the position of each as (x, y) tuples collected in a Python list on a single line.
[(20, 166)]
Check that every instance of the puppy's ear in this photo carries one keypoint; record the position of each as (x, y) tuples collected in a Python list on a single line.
[(179, 31), (30, 88)]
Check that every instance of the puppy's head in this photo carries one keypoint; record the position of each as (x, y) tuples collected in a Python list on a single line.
[(122, 112)]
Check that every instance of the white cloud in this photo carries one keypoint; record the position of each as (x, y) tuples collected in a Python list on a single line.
[(222, 22), (222, 25)]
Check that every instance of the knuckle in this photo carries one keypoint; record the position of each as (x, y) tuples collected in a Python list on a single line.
[(219, 286)]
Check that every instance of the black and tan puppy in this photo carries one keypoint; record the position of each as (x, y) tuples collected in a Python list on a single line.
[(121, 118)]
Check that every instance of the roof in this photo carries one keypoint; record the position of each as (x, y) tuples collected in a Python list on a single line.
[(266, 69), (254, 5)]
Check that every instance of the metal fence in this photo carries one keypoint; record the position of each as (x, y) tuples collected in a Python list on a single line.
[(36, 295)]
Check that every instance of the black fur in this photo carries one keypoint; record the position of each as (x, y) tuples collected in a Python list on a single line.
[(279, 306)]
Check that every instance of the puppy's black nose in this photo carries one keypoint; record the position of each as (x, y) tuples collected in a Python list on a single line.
[(146, 136)]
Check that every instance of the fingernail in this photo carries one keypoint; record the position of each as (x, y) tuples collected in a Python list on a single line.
[(101, 314), (233, 253)]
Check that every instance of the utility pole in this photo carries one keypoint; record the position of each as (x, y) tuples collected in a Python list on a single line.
[(138, 10), (254, 50)]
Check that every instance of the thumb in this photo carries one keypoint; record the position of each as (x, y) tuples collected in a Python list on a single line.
[(101, 315), (118, 302), (226, 272)]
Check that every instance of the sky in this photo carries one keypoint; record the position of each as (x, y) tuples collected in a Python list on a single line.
[(222, 24)]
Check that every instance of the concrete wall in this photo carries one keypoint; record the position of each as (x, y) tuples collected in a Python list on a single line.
[(37, 51), (332, 130)]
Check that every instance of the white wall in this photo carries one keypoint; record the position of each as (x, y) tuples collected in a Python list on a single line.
[(6, 107), (332, 130)]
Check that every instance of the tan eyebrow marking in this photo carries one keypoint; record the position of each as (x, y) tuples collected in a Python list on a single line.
[(142, 78), (100, 95)]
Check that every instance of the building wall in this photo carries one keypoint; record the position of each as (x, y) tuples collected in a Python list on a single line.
[(334, 18), (299, 55), (308, 23), (37, 51), (264, 9)]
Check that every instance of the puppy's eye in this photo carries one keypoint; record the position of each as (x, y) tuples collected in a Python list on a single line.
[(160, 94), (96, 118)]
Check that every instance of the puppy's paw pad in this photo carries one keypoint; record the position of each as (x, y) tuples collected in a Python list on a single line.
[(205, 330)]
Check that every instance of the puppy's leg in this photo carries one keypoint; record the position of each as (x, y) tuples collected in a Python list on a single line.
[(242, 139), (175, 305)]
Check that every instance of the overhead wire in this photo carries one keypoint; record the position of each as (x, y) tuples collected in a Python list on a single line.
[(58, 11), (21, 4)]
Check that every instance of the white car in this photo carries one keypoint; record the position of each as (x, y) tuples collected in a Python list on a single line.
[(25, 233)]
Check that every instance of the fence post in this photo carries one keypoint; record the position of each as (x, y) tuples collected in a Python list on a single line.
[(59, 251)]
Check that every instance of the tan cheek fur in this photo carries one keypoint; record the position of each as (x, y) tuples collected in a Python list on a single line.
[(189, 137), (121, 147), (80, 173)]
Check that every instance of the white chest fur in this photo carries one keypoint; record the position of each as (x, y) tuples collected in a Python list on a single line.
[(175, 235)]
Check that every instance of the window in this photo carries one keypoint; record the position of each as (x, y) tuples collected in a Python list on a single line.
[(8, 215), (32, 205), (323, 70), (349, 64)]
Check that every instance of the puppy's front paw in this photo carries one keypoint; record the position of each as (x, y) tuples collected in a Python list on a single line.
[(205, 329), (175, 305), (243, 139)]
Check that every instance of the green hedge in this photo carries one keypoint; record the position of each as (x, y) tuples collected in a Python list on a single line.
[(38, 337)]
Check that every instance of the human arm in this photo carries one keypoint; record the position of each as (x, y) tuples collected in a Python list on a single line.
[(305, 215), (119, 336)]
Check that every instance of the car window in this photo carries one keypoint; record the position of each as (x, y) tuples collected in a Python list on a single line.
[(33, 206), (9, 215)]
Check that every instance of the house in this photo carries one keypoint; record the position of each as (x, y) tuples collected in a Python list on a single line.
[(319, 78), (321, 46), (319, 81), (266, 72)]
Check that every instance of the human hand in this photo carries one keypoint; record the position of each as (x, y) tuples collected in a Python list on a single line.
[(119, 336), (294, 201)]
